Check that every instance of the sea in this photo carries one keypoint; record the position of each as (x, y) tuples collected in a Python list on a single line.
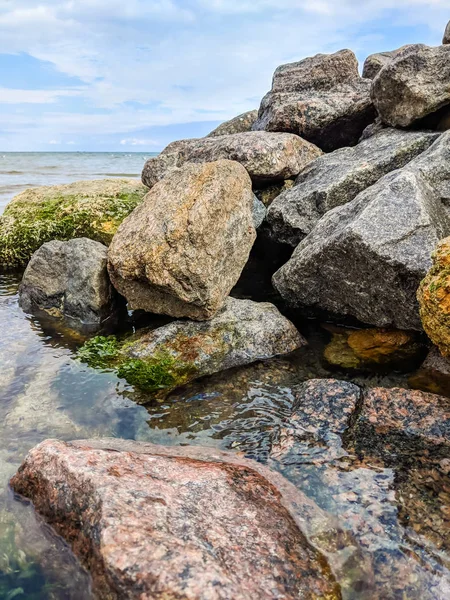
[(22, 170)]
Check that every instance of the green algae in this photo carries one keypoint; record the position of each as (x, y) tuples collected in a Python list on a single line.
[(27, 224), (160, 372)]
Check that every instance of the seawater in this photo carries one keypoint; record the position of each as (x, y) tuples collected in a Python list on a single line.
[(22, 170)]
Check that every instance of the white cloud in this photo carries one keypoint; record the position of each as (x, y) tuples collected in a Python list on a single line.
[(54, 142), (138, 142), (146, 63), (12, 96)]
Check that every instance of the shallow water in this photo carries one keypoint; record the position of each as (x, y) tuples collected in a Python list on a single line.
[(46, 393), (22, 170)]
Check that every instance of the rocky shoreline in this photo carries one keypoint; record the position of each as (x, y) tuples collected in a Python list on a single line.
[(342, 184)]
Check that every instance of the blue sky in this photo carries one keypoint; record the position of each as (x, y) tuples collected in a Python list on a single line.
[(134, 75)]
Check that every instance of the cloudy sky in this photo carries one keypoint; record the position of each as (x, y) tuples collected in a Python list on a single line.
[(134, 75)]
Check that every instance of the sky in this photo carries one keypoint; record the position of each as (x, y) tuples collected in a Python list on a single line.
[(134, 75)]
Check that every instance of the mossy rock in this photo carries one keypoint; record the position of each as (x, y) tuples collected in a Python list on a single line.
[(92, 209), (434, 299)]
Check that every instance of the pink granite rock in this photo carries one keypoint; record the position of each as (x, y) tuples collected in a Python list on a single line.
[(181, 523)]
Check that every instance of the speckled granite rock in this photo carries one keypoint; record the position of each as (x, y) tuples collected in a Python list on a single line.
[(239, 124), (69, 279), (183, 249), (337, 178), (241, 333), (322, 98), (434, 299), (92, 209), (366, 348), (446, 38), (268, 157), (367, 258), (413, 85), (434, 166), (395, 422), (155, 522)]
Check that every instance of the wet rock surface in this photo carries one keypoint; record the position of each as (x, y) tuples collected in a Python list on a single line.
[(433, 375), (185, 247), (239, 124), (367, 258), (157, 522), (267, 157), (413, 85), (337, 178), (70, 279), (321, 98)]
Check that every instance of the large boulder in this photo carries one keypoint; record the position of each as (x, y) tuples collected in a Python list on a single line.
[(434, 166), (367, 258), (163, 359), (434, 299), (337, 178), (322, 98), (155, 522), (92, 209), (239, 124), (183, 249), (413, 85), (69, 279), (268, 157)]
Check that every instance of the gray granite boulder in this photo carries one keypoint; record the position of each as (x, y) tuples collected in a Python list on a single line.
[(413, 85), (367, 257), (322, 98), (184, 248), (337, 178), (239, 124), (446, 38), (69, 279), (434, 166), (268, 157)]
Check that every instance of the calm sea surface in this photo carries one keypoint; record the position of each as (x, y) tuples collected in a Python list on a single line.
[(22, 170)]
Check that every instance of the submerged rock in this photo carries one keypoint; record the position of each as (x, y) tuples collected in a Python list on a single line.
[(365, 348), (433, 375), (70, 279), (337, 178), (163, 359), (367, 258), (321, 98), (434, 299), (92, 209), (183, 249), (413, 85), (397, 423), (268, 157), (160, 522), (239, 124)]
